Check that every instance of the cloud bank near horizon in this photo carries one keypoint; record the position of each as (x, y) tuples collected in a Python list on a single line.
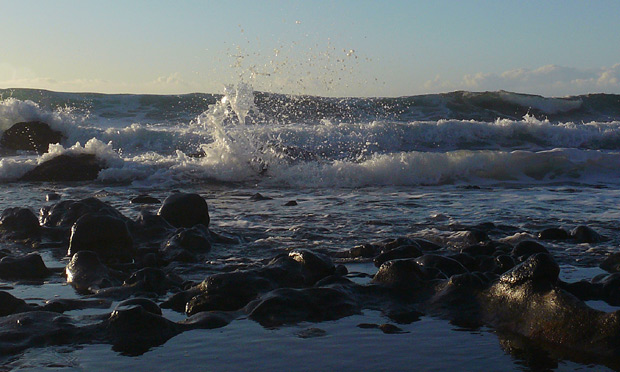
[(549, 80)]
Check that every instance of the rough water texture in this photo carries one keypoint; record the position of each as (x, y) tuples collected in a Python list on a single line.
[(471, 184)]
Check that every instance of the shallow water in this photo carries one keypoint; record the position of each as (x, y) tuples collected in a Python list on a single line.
[(334, 220)]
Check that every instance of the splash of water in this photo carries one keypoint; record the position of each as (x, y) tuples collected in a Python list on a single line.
[(226, 121)]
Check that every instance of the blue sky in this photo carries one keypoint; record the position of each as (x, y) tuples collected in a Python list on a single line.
[(336, 48)]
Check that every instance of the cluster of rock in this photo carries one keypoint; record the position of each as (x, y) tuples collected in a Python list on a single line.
[(514, 289)]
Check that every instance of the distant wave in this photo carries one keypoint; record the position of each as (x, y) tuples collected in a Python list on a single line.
[(461, 105)]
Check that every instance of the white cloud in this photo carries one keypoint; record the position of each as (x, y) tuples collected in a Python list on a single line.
[(550, 80)]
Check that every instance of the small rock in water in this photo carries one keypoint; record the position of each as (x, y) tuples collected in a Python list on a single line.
[(52, 196), (311, 332), (291, 203), (390, 329), (185, 210), (259, 197), (554, 233), (144, 199)]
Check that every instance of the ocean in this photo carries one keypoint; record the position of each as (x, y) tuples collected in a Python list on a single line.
[(360, 170)]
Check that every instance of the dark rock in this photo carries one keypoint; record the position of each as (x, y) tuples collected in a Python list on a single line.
[(290, 203), (19, 220), (30, 266), (403, 251), (427, 245), (144, 199), (526, 248), (554, 233), (287, 305), (503, 263), (446, 265), (395, 243), (363, 251), (67, 212), (10, 304), (611, 263), (66, 168), (315, 266), (405, 273), (585, 234), (52, 196), (105, 235), (30, 136), (540, 267), (311, 333), (87, 274), (390, 329), (479, 249), (185, 210), (146, 304), (259, 197), (195, 239), (153, 280)]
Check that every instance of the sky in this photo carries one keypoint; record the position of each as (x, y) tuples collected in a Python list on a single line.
[(329, 48)]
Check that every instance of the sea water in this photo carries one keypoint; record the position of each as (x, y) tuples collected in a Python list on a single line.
[(361, 170)]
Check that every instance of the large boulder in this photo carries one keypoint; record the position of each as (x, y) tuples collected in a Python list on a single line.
[(185, 210), (30, 266), (66, 168), (105, 235), (67, 212), (30, 136)]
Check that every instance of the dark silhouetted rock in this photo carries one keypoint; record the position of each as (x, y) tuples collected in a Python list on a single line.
[(144, 199), (554, 233), (538, 267), (66, 168), (19, 220), (611, 263), (185, 210), (67, 212), (526, 248), (30, 136), (259, 197), (585, 234), (404, 251), (446, 265), (400, 273), (86, 273), (105, 235), (30, 266)]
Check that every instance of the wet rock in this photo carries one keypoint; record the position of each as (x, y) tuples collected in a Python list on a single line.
[(30, 136), (146, 304), (538, 268), (21, 221), (35, 329), (87, 274), (405, 273), (259, 197), (107, 236), (554, 233), (153, 280), (311, 333), (427, 245), (144, 199), (52, 196), (315, 266), (30, 266), (611, 263), (287, 305), (479, 249), (149, 227), (363, 251), (403, 251), (67, 212), (185, 210), (526, 248), (446, 265), (185, 243), (66, 168), (585, 234), (290, 203), (10, 304)]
